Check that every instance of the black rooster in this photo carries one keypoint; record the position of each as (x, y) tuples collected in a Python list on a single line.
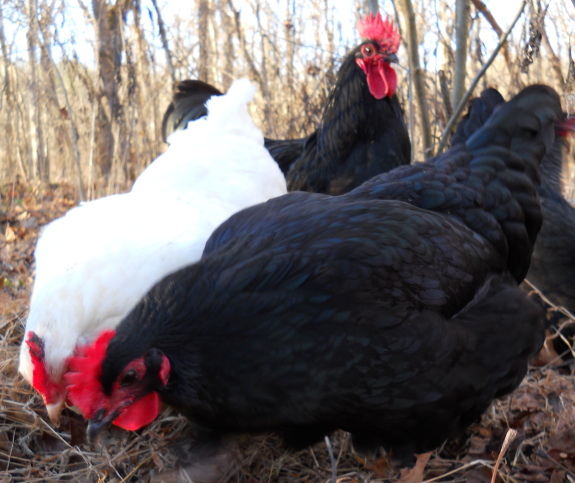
[(362, 132), (398, 321)]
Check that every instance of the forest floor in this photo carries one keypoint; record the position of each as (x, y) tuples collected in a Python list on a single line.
[(538, 418)]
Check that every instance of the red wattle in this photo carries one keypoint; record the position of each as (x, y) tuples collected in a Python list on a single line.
[(381, 80), (141, 413)]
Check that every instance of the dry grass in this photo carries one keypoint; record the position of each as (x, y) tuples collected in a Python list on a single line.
[(541, 411)]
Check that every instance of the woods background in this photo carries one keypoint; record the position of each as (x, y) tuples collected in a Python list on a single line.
[(85, 83)]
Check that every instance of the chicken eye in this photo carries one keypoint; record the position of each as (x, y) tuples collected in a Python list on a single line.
[(129, 378), (368, 50)]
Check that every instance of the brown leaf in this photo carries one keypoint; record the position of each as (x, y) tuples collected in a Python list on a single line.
[(9, 234)]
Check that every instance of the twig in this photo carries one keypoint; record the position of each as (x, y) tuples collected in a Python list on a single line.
[(559, 308), (509, 437), (482, 9), (471, 464), (479, 75), (332, 459), (136, 468)]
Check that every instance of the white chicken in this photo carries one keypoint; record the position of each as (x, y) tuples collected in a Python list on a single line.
[(96, 262)]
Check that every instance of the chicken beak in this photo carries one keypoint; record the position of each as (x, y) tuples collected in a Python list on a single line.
[(55, 411), (98, 424), (391, 58)]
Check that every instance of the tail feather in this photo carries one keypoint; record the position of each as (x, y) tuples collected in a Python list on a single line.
[(479, 111), (188, 104)]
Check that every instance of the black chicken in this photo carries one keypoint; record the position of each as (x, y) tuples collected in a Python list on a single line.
[(398, 321), (479, 111), (362, 132), (552, 268), (188, 104), (553, 262)]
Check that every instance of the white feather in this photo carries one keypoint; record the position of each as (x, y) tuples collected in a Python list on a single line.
[(97, 261)]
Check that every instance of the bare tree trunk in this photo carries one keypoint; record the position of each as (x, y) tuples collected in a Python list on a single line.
[(73, 143), (38, 150), (142, 100), (11, 147), (417, 74), (264, 82), (230, 57), (290, 82), (205, 61), (461, 35), (109, 24), (59, 145), (372, 6)]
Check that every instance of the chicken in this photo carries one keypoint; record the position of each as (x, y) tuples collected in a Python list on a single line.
[(479, 111), (361, 133), (97, 261), (188, 104), (396, 320), (552, 268), (553, 262)]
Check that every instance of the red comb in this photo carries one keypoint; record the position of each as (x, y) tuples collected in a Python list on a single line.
[(383, 32), (83, 376)]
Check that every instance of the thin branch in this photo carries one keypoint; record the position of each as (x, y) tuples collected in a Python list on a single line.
[(483, 10), (164, 39), (239, 32), (465, 98)]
